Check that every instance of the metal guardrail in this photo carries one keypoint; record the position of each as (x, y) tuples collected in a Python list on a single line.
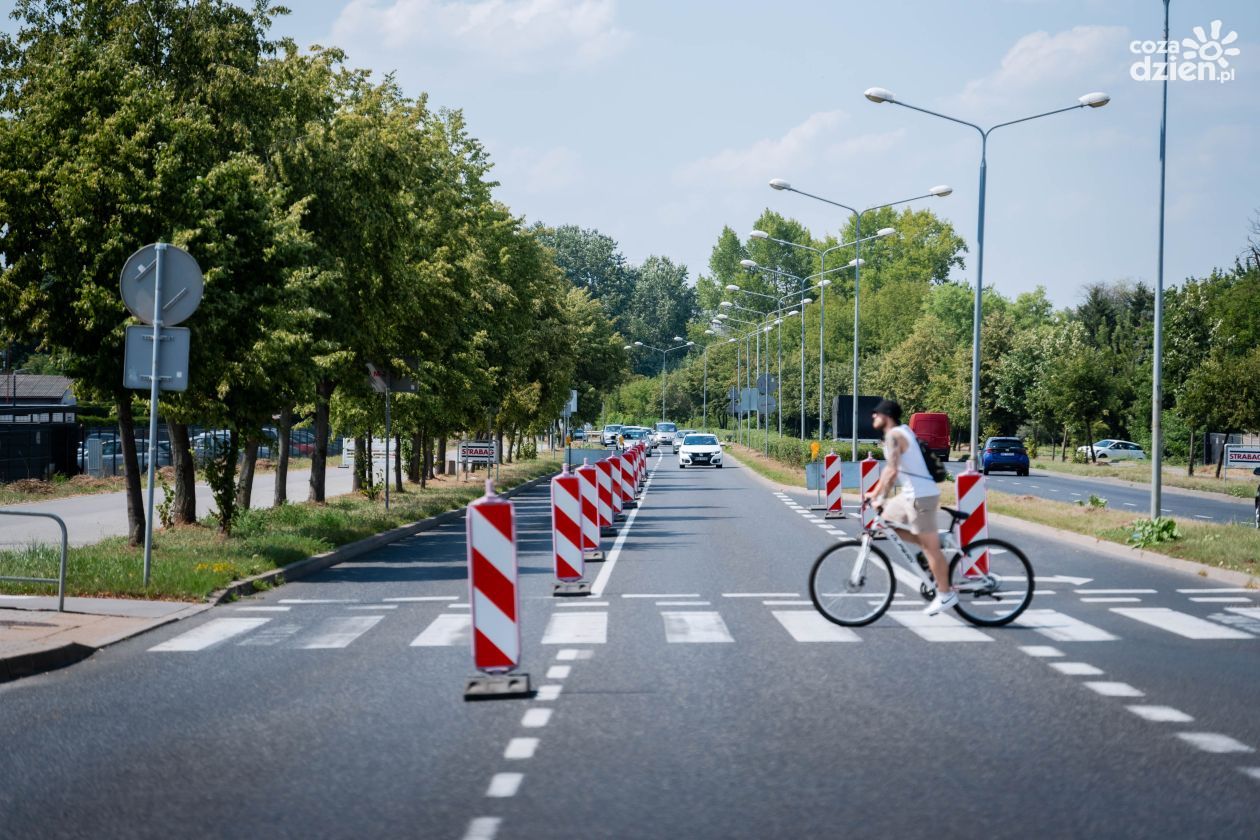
[(65, 542)]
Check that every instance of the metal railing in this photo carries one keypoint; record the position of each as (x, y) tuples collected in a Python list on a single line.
[(60, 580)]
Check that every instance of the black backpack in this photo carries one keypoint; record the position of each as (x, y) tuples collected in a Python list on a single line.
[(934, 466)]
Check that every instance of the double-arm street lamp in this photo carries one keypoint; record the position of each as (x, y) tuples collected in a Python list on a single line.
[(664, 353), (939, 191), (1089, 100)]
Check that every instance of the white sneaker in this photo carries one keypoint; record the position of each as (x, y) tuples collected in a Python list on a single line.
[(941, 603)]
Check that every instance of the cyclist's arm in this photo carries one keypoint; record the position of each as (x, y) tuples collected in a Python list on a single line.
[(894, 445)]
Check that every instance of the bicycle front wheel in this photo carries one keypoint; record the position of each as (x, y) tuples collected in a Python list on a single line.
[(851, 583), (994, 581)]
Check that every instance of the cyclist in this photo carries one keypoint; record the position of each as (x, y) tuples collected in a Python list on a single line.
[(912, 513)]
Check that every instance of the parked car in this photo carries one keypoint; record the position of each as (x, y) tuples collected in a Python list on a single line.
[(700, 450), (678, 438), (932, 428), (1004, 453), (112, 461), (579, 434), (608, 436), (1114, 450), (665, 432)]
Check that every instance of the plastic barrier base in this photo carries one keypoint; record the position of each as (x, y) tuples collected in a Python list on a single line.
[(592, 556), (498, 687), (571, 590), (835, 514)]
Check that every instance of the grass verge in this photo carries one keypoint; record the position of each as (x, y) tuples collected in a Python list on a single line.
[(1234, 547), (191, 562), (1140, 473), (37, 490)]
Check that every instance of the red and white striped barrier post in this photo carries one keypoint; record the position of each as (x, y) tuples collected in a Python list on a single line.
[(831, 480), (627, 481), (493, 594), (618, 499), (869, 468), (566, 534), (604, 503), (972, 496), (588, 476)]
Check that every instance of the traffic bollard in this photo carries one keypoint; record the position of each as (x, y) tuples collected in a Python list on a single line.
[(627, 482), (588, 476), (618, 499), (831, 480), (972, 497), (604, 504), (870, 474), (566, 534)]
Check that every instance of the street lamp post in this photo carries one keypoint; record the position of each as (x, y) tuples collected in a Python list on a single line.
[(939, 191), (878, 95), (1157, 362), (664, 353)]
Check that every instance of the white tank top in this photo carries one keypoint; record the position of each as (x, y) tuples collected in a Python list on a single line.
[(915, 480)]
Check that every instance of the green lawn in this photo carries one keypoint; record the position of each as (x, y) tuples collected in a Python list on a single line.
[(191, 562), (1239, 484)]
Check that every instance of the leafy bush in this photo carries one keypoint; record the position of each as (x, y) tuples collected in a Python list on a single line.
[(1148, 532)]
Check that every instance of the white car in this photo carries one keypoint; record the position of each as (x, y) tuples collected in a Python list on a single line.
[(664, 433), (678, 438), (700, 450), (1114, 450), (608, 436)]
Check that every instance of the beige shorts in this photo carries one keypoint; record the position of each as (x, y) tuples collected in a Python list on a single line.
[(917, 517)]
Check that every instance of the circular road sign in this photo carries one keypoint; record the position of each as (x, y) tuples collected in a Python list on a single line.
[(182, 284)]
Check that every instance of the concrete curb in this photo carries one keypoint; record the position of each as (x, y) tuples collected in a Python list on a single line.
[(310, 565), (1115, 550), (39, 661)]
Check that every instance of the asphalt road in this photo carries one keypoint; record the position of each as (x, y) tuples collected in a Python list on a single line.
[(696, 695)]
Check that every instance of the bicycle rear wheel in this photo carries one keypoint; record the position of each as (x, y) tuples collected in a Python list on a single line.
[(852, 585), (994, 581)]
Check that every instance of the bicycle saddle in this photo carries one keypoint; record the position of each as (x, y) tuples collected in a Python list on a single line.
[(957, 515)]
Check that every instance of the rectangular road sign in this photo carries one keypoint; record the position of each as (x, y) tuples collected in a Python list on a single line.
[(172, 358), (1237, 455), (478, 452)]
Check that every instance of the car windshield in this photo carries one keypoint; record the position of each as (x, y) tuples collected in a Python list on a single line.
[(1103, 444), (666, 427), (1007, 444), (700, 440), (613, 427)]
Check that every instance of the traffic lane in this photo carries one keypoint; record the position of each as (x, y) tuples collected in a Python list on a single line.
[(762, 736), (1067, 488)]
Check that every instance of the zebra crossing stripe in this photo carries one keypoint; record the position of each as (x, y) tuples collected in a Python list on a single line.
[(339, 632), (809, 626), (1062, 628), (695, 628), (210, 633), (938, 628), (446, 630), (1186, 626)]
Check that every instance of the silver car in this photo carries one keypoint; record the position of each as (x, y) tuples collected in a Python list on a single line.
[(678, 438)]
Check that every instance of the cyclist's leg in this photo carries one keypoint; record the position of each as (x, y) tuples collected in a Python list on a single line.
[(930, 541)]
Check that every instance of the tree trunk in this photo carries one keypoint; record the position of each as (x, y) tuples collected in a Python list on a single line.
[(398, 485), (413, 463), (428, 457), (1220, 454), (245, 483), (319, 458), (131, 465), (498, 437), (424, 451), (1190, 465), (441, 455), (1063, 447), (227, 504), (184, 506), (360, 457), (284, 428)]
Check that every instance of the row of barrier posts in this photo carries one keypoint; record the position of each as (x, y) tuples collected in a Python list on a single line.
[(586, 504)]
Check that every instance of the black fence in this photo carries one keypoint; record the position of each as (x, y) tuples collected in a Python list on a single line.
[(37, 441)]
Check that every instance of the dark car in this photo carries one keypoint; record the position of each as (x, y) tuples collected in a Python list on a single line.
[(1004, 453)]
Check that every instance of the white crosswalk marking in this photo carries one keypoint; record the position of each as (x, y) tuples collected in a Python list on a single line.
[(1062, 628), (270, 635), (695, 628), (340, 631), (576, 628), (446, 630), (1187, 626), (210, 633), (809, 626), (939, 628)]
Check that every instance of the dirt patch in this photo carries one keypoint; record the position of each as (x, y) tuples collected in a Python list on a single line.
[(31, 487)]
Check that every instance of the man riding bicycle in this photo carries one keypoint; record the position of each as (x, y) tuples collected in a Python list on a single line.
[(912, 513)]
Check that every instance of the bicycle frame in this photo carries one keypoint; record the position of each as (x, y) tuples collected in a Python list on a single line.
[(976, 579)]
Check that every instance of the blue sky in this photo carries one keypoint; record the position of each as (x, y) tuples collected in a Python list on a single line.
[(660, 122)]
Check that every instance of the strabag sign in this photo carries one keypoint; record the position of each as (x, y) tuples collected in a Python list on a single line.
[(478, 452), (1242, 456)]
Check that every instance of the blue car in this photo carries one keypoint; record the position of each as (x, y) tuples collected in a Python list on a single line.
[(1004, 453)]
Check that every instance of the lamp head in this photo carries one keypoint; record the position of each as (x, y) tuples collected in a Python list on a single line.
[(708, 332), (678, 338), (731, 287), (628, 347), (758, 234), (824, 283), (726, 304), (779, 184), (691, 344), (806, 301), (792, 312), (886, 232), (1097, 99), (722, 316), (730, 341), (638, 344), (856, 263), (748, 263), (879, 95), (941, 190)]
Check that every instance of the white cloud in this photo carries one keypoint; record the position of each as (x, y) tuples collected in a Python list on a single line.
[(531, 171), (522, 35), (1070, 63)]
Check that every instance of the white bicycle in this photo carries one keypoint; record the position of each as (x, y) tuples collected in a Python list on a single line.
[(853, 583)]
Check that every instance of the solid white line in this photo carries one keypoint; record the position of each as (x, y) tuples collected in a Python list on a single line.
[(1187, 626), (1062, 628), (1222, 599), (548, 693), (1200, 516), (319, 600), (695, 628), (420, 598), (1041, 650), (1076, 669), (580, 602), (809, 626), (1160, 714), (286, 609), (665, 595), (761, 595), (339, 632), (1113, 689), (1129, 504), (788, 603), (503, 785), (610, 559), (559, 672), (210, 633), (938, 628), (483, 828), (683, 603), (1114, 591), (519, 748), (576, 628), (536, 718), (1214, 743), (1223, 591), (444, 631), (1111, 600), (375, 607), (457, 606)]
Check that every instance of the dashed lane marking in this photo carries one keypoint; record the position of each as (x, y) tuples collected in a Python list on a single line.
[(1214, 742), (483, 828), (1113, 689), (1160, 714), (520, 748), (504, 785), (536, 718), (1041, 650), (1076, 669)]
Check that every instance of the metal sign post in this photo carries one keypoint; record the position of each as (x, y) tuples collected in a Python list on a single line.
[(160, 307)]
